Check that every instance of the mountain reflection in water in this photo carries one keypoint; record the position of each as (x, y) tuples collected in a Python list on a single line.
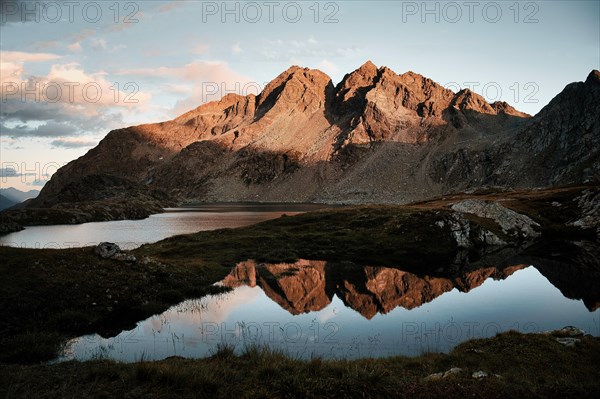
[(308, 285), (345, 310)]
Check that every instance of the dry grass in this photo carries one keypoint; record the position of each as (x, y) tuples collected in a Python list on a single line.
[(532, 366)]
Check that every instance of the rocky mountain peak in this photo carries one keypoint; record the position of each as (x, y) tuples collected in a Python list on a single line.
[(502, 107), (375, 137), (467, 100), (368, 68), (294, 86), (593, 77), (350, 92)]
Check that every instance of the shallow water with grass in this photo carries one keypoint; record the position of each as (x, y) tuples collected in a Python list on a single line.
[(343, 310)]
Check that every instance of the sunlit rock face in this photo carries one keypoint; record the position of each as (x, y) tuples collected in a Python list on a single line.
[(308, 285), (375, 137)]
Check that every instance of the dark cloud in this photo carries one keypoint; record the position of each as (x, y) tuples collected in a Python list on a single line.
[(72, 144), (59, 120), (48, 129), (16, 110), (10, 172), (53, 129), (38, 183)]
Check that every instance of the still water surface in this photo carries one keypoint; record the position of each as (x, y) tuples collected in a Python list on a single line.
[(307, 308), (130, 234), (331, 310)]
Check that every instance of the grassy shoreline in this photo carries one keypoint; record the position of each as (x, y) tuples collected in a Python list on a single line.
[(48, 296), (532, 366)]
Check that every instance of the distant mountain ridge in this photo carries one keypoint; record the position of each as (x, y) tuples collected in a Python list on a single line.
[(11, 196), (376, 137)]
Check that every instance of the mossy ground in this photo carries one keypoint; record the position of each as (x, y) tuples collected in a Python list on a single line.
[(48, 296), (375, 235)]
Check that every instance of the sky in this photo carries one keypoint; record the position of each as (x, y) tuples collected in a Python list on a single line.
[(71, 71)]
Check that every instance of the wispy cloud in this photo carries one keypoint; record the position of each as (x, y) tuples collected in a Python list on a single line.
[(236, 48), (99, 44), (200, 49), (171, 5), (310, 48), (75, 47), (20, 56), (207, 80), (328, 67)]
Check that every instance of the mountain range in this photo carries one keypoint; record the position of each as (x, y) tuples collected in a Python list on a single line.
[(11, 196), (375, 137)]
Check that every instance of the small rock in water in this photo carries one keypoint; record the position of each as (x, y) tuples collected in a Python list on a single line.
[(479, 374)]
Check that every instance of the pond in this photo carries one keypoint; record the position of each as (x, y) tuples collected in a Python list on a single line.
[(343, 310), (130, 234)]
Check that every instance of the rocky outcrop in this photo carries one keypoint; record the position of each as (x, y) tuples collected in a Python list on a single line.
[(511, 222), (8, 225), (91, 198), (589, 205), (562, 142), (110, 250)]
